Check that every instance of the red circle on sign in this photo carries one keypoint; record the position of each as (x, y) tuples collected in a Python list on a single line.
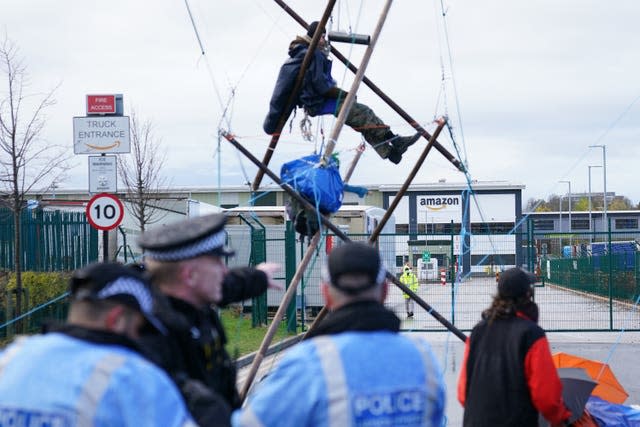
[(104, 211)]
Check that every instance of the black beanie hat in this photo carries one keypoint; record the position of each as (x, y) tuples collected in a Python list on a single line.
[(312, 28), (515, 283)]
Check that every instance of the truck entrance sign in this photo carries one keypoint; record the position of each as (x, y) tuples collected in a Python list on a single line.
[(101, 104), (105, 211), (101, 134)]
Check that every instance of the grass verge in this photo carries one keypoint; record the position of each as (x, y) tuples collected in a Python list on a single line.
[(242, 337)]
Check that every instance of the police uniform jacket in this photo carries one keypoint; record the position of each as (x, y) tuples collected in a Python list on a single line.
[(194, 347), (80, 377), (356, 369)]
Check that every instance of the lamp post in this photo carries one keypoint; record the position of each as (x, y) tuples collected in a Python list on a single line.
[(604, 172), (569, 228), (591, 228)]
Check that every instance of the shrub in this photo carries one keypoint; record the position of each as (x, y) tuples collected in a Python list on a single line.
[(41, 287)]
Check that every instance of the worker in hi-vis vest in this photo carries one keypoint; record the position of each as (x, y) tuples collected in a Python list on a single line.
[(410, 281)]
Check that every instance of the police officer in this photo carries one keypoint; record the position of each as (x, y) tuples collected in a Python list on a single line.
[(354, 368), (186, 261), (89, 371)]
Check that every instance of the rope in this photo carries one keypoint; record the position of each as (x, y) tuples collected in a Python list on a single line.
[(33, 310), (306, 128), (453, 80)]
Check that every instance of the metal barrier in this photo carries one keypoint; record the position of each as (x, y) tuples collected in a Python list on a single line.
[(578, 291), (50, 240)]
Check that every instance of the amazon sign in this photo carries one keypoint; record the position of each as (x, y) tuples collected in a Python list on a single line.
[(94, 134), (440, 208)]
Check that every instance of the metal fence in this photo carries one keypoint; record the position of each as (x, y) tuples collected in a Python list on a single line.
[(581, 288), (50, 240)]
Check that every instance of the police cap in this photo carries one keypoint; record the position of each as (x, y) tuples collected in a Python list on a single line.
[(191, 238), (111, 281)]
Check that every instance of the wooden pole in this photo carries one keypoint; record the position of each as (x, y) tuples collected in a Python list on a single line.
[(354, 162), (273, 328), (374, 236), (309, 207), (407, 182), (351, 97), (410, 120)]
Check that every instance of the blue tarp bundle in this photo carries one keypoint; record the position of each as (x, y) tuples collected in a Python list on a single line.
[(609, 414), (321, 185)]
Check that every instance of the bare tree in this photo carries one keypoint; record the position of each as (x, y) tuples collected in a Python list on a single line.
[(27, 161), (140, 173)]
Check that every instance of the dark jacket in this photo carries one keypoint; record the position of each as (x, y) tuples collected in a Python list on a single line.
[(357, 316), (317, 82), (508, 376), (194, 346), (96, 336)]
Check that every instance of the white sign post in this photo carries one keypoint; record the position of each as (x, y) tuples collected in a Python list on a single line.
[(101, 134), (103, 176)]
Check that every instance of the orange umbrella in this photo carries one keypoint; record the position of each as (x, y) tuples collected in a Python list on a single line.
[(608, 388)]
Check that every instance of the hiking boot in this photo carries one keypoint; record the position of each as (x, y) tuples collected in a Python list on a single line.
[(399, 145), (394, 156)]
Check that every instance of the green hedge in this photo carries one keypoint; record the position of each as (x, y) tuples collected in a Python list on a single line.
[(41, 287)]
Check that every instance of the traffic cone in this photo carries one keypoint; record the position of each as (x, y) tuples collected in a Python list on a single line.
[(443, 277)]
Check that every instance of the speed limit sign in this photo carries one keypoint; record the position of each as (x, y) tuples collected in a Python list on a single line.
[(105, 211)]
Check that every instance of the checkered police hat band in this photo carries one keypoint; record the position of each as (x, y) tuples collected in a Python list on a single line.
[(129, 286), (136, 289), (201, 247)]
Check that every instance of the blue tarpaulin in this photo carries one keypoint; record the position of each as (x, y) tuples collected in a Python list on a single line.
[(609, 414), (320, 184)]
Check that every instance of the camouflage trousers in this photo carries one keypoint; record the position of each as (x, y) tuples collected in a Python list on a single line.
[(362, 119)]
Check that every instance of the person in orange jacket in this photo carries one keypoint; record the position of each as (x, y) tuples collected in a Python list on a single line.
[(507, 376)]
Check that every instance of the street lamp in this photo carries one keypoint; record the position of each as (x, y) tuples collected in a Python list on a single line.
[(591, 228), (604, 172), (569, 182), (570, 228)]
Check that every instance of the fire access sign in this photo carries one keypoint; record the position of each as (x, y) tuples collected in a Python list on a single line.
[(101, 104)]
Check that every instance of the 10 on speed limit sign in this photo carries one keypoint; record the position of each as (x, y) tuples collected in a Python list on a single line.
[(105, 211)]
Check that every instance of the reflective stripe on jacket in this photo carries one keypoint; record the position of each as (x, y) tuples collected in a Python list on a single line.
[(350, 379), (55, 379)]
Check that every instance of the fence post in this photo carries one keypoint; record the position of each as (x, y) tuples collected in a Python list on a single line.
[(258, 255), (290, 271), (610, 274), (453, 278)]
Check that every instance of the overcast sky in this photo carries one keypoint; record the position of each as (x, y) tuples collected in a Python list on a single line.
[(528, 85)]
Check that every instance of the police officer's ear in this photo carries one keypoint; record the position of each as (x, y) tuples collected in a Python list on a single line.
[(385, 291), (326, 294), (112, 318), (186, 273)]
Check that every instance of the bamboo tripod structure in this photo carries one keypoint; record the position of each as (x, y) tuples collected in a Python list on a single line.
[(263, 169), (410, 120), (308, 206)]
